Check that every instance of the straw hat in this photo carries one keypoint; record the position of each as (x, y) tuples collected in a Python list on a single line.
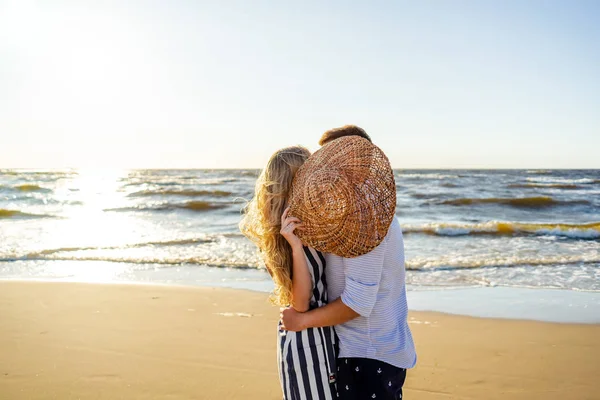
[(345, 195)]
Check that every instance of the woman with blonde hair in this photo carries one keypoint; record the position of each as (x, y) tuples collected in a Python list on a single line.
[(306, 359)]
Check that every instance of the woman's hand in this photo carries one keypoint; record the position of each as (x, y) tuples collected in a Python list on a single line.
[(288, 226), (302, 283)]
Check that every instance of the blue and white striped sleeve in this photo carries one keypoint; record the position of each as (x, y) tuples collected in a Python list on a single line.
[(362, 276)]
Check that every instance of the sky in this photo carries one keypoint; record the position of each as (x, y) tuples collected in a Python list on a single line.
[(223, 84)]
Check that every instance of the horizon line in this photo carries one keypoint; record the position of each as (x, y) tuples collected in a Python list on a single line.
[(259, 168)]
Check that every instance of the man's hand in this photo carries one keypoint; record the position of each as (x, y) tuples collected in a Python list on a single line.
[(292, 320), (331, 314)]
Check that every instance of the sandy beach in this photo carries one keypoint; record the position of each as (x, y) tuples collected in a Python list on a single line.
[(92, 341)]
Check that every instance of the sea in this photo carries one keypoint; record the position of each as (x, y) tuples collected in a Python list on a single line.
[(502, 243)]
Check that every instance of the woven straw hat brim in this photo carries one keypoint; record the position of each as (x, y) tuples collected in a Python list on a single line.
[(345, 195)]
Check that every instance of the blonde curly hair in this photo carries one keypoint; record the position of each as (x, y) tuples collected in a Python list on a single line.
[(262, 218)]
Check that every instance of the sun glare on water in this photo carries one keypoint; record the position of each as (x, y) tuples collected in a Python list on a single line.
[(94, 223)]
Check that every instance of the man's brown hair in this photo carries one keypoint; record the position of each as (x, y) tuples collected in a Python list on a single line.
[(346, 130)]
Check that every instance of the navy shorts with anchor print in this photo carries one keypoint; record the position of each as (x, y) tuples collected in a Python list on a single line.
[(364, 378)]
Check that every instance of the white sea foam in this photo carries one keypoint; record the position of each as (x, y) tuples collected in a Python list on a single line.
[(574, 231)]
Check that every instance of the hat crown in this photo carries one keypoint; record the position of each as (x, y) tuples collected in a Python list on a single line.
[(345, 195)]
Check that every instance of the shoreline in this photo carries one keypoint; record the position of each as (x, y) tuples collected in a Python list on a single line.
[(513, 303), (168, 286), (103, 341)]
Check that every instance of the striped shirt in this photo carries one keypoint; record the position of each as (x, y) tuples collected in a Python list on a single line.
[(306, 359), (373, 285)]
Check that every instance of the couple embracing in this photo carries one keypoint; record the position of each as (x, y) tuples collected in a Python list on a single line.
[(326, 228)]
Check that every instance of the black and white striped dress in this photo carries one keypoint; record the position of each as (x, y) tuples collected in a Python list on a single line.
[(306, 359)]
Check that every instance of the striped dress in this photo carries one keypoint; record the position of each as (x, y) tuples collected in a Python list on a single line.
[(306, 359)]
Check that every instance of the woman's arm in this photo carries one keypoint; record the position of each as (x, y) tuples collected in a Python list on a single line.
[(302, 284)]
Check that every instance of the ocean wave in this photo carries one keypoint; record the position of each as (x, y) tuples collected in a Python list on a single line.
[(190, 205), (415, 264), (422, 195), (183, 193), (426, 176), (31, 188), (578, 181), (175, 181), (233, 235), (200, 206), (143, 182), (17, 172), (522, 202), (215, 181), (574, 231), (4, 213), (544, 186), (251, 173), (448, 185), (24, 190), (172, 261), (175, 242), (447, 263)]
